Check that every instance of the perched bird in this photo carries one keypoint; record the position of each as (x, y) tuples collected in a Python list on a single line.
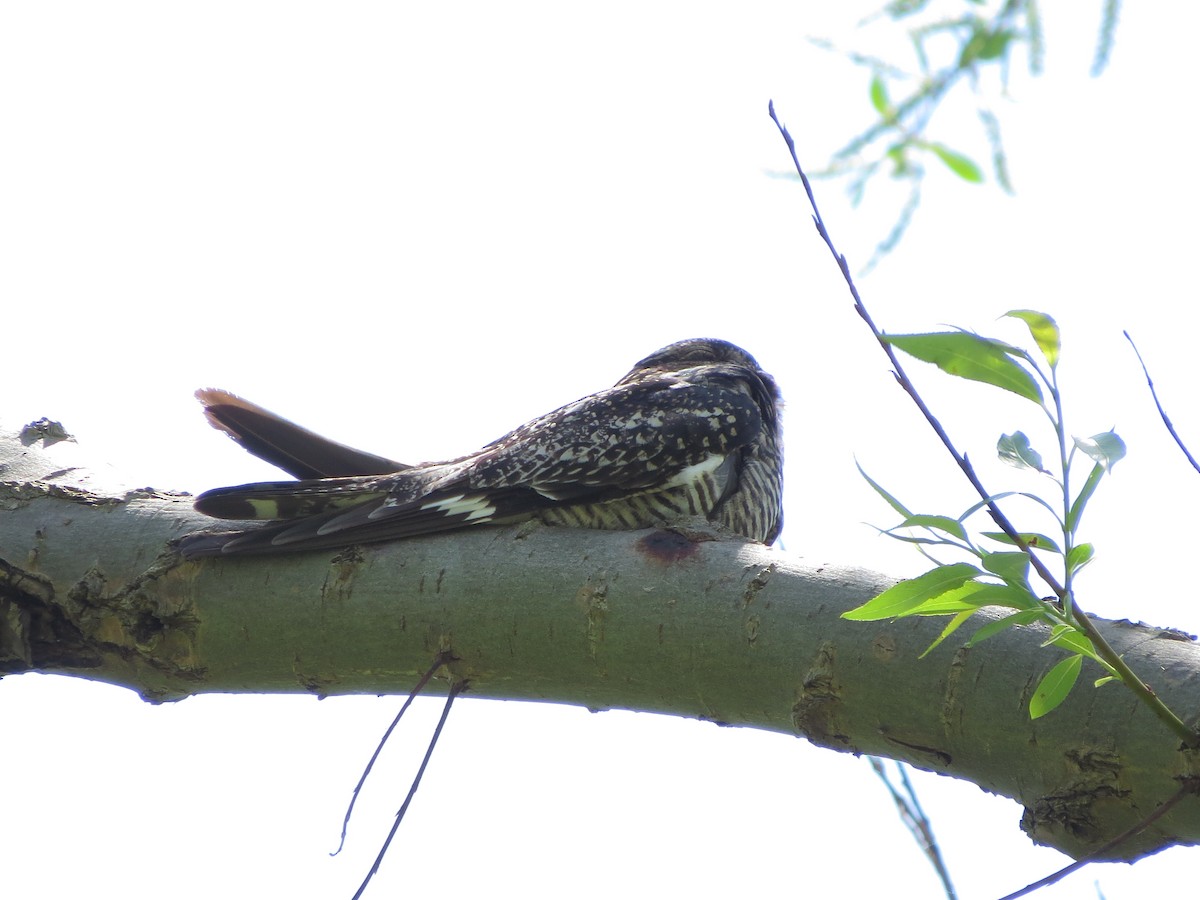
[(692, 430)]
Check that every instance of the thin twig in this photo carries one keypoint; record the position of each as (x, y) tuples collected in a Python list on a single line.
[(1162, 810), (441, 659), (916, 821), (1161, 411), (902, 377), (455, 689), (1143, 691)]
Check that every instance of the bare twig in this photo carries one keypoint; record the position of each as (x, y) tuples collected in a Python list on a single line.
[(1189, 787), (916, 821), (455, 689), (441, 659), (1189, 737), (1161, 411)]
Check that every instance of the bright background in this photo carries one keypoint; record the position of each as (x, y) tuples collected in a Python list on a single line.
[(413, 228)]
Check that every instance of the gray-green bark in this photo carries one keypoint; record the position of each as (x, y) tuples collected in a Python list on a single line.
[(717, 629)]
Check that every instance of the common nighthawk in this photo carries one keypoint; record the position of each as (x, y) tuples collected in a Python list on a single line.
[(692, 430)]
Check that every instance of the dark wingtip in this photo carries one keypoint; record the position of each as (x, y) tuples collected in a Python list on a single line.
[(195, 546), (225, 503)]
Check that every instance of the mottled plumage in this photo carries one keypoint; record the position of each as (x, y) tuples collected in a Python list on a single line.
[(692, 430)]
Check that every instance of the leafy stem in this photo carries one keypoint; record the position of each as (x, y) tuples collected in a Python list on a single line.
[(954, 589)]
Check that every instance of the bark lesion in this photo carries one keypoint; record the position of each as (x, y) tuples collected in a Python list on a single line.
[(35, 631)]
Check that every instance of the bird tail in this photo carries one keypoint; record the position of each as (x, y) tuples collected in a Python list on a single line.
[(289, 499), (296, 450)]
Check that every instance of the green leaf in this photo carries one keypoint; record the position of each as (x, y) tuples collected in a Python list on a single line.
[(940, 523), (1105, 448), (984, 45), (1013, 567), (901, 599), (971, 356), (1044, 330), (995, 44), (879, 97), (1055, 686), (1080, 556), (1068, 637), (891, 501), (897, 153), (1015, 450), (1043, 502), (1085, 494), (972, 48), (993, 628), (975, 595), (918, 539), (960, 165), (951, 627), (1032, 539), (980, 504), (898, 9)]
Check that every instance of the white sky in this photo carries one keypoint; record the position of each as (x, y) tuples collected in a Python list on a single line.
[(413, 229)]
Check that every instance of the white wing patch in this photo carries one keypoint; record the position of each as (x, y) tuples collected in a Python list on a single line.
[(472, 507), (696, 471)]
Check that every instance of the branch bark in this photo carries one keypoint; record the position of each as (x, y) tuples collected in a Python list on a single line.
[(714, 629)]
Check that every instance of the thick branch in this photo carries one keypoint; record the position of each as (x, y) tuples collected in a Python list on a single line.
[(720, 630)]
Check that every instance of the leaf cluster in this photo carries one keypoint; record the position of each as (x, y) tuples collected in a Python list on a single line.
[(954, 46), (1000, 572)]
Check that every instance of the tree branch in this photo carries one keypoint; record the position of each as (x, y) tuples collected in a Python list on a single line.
[(720, 630)]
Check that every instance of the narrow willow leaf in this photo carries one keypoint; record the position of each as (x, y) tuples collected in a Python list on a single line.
[(879, 97), (900, 599), (951, 627), (898, 154), (972, 48), (1106, 448), (980, 504), (946, 605), (1015, 450), (1080, 556), (977, 594), (971, 356), (966, 596), (1012, 566), (1070, 638), (1105, 680), (991, 629), (891, 501), (1032, 539), (984, 45), (962, 166), (1043, 502), (1044, 330), (994, 44), (918, 539), (938, 523), (1085, 494), (1055, 686)]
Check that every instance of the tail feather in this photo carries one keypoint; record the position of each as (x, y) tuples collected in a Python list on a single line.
[(296, 450), (288, 499)]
